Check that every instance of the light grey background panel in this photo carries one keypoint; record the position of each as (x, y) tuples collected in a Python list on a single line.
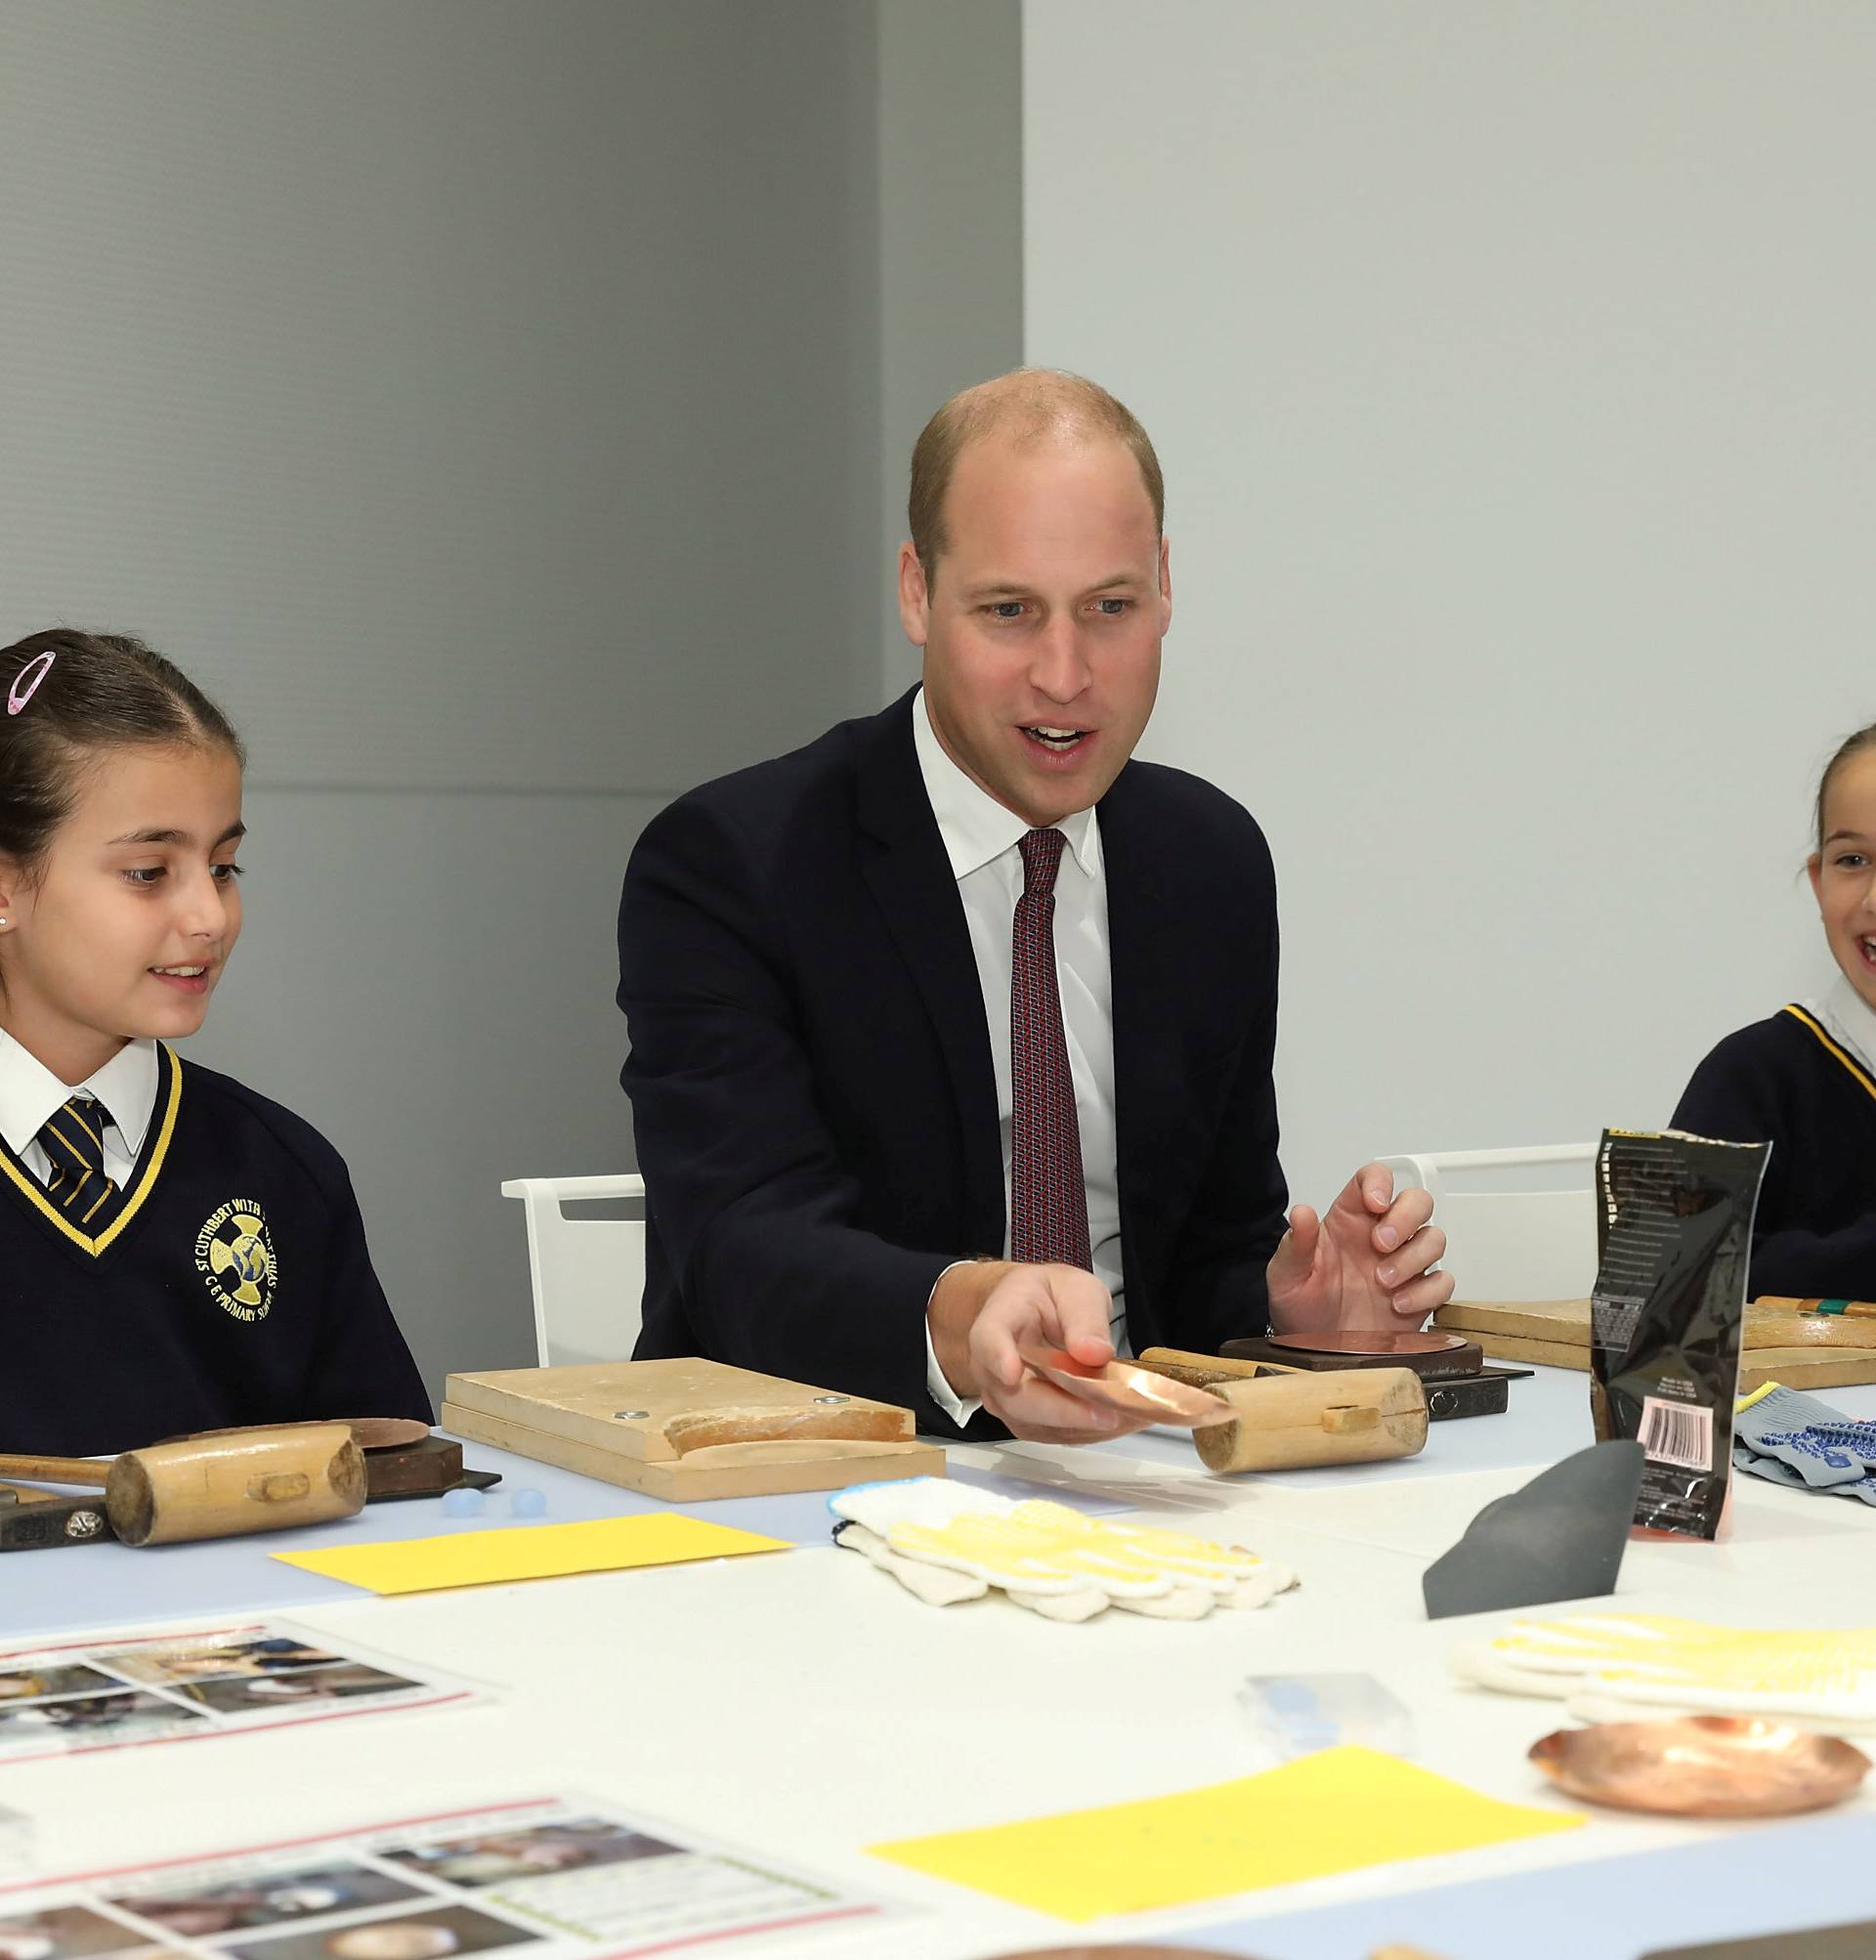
[(483, 400), (465, 385), (1511, 365), (951, 238)]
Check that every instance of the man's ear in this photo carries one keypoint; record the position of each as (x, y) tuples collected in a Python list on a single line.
[(1165, 582), (915, 596)]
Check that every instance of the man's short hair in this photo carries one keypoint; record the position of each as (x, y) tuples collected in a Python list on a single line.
[(1028, 404)]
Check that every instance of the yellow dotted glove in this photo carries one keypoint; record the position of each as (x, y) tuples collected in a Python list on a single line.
[(1610, 1665), (1047, 1556)]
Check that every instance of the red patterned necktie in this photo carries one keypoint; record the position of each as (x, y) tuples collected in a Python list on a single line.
[(1047, 1195)]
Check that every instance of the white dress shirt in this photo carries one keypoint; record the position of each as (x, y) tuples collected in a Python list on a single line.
[(981, 837), (1849, 1020), (30, 1093)]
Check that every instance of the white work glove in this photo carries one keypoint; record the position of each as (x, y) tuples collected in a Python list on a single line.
[(947, 1542), (1629, 1667)]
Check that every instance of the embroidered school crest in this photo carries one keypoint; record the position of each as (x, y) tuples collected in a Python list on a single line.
[(234, 1255)]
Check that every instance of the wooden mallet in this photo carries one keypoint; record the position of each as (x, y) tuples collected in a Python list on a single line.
[(218, 1486), (1297, 1420)]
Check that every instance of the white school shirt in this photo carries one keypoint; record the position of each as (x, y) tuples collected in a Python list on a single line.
[(980, 838), (30, 1093), (1849, 1020)]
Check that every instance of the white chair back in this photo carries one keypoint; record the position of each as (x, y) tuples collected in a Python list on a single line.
[(1519, 1224), (588, 1273)]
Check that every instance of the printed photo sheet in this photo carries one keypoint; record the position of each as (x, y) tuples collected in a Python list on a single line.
[(115, 1691), (548, 1878)]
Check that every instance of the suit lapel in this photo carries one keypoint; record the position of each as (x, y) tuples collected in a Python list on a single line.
[(905, 867), (1145, 950)]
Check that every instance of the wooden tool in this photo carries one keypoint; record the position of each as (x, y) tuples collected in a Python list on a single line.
[(1207, 1371), (218, 1487), (1295, 1420), (1483, 1392), (688, 1429), (369, 1433), (1849, 1310), (401, 1458)]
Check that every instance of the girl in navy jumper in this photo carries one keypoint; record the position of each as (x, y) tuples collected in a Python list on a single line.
[(176, 1253), (1805, 1079)]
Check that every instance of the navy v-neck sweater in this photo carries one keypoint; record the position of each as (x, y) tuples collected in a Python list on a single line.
[(233, 1286), (1785, 1082)]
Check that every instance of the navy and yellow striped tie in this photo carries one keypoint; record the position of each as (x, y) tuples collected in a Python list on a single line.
[(73, 1140)]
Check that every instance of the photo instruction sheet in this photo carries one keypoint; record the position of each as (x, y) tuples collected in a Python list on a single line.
[(119, 1691), (561, 1878)]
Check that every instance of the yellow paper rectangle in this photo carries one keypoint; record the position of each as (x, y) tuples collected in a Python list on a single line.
[(531, 1552), (1340, 1810)]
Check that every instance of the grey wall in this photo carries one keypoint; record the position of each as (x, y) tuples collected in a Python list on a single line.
[(951, 238), (1511, 365), (483, 399)]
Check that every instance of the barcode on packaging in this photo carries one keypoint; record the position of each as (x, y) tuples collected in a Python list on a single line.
[(1674, 1433)]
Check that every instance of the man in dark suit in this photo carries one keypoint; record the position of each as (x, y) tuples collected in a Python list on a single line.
[(852, 973)]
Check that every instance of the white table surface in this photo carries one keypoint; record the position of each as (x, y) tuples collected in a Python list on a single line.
[(803, 1706)]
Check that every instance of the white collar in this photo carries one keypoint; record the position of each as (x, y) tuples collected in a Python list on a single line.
[(974, 827), (1850, 1020), (30, 1092)]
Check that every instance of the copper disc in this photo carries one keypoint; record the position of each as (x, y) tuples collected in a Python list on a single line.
[(1365, 1340), (1702, 1766)]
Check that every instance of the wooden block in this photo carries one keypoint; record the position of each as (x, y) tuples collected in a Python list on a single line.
[(1557, 1334), (1768, 1327), (1569, 1320), (1563, 1321), (1806, 1367), (689, 1428), (1539, 1353)]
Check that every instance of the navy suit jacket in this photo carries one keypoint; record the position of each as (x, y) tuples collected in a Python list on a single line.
[(810, 1080)]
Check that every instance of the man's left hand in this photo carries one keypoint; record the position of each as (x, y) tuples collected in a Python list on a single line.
[(1363, 1264)]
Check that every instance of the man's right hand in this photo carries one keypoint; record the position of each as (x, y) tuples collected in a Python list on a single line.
[(983, 1312)]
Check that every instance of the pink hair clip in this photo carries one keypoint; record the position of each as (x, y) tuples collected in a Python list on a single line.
[(26, 683)]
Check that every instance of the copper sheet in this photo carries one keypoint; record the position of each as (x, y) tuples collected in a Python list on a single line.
[(1702, 1766), (1130, 1390)]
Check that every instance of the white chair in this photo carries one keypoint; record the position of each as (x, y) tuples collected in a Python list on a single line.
[(588, 1273), (1519, 1224)]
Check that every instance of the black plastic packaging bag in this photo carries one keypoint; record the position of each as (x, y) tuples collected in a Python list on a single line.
[(1674, 1235)]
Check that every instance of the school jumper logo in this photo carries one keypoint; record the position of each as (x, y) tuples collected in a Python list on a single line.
[(234, 1255)]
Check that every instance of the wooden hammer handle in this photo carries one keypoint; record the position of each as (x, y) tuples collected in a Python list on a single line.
[(1850, 1309), (1199, 1371), (85, 1471)]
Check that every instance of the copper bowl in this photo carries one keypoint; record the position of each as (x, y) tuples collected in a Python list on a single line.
[(1702, 1766)]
